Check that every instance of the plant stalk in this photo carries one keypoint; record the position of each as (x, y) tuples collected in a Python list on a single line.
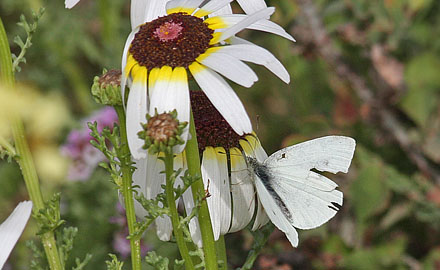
[(127, 192), (24, 157), (198, 190), (221, 249), (178, 234)]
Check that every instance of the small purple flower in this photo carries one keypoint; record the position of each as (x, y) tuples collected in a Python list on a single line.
[(84, 156), (120, 242)]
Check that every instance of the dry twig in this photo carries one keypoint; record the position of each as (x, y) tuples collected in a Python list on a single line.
[(388, 121)]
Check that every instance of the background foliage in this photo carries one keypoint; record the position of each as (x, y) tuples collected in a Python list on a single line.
[(365, 69)]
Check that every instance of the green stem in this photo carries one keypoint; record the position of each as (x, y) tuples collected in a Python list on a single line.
[(260, 238), (24, 157), (193, 160), (127, 191), (221, 249), (169, 191)]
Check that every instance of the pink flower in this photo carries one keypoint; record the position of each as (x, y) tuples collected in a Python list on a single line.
[(86, 157)]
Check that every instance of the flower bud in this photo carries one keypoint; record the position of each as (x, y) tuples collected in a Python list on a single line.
[(106, 89), (162, 132)]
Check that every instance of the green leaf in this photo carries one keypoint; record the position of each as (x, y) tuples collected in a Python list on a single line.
[(386, 256), (157, 261), (431, 261), (423, 83), (114, 264), (416, 5), (369, 192)]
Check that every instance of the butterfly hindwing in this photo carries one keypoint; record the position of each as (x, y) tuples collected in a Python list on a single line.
[(308, 206)]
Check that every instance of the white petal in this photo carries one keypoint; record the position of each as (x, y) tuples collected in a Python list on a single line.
[(226, 10), (188, 201), (243, 193), (261, 25), (137, 12), (12, 228), (261, 217), (249, 20), (252, 147), (70, 3), (140, 179), (155, 9), (170, 92), (154, 186), (211, 6), (194, 226), (251, 6), (230, 67), (215, 180), (258, 55), (124, 63), (175, 4), (183, 6), (136, 114), (236, 41), (223, 98)]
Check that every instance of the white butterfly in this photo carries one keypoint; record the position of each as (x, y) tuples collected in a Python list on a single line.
[(293, 195)]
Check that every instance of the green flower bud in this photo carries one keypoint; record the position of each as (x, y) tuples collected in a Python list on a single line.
[(106, 89), (162, 132)]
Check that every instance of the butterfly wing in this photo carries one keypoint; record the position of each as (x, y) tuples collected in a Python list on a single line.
[(275, 213), (327, 154), (308, 199)]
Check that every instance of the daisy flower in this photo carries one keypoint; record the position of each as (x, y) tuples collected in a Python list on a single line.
[(232, 203), (12, 228), (180, 38)]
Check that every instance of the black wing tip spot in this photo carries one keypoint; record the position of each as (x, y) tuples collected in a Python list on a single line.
[(335, 206)]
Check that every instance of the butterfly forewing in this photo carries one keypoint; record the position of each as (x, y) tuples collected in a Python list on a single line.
[(275, 213), (330, 154)]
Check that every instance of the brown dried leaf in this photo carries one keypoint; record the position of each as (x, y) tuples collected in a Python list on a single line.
[(433, 195), (388, 68), (345, 112)]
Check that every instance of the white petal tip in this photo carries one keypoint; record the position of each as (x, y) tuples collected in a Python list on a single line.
[(139, 154), (70, 3), (12, 228)]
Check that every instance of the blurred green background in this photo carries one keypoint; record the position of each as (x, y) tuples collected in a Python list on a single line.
[(365, 69)]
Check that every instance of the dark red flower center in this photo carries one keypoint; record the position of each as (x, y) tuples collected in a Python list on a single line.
[(211, 128), (175, 40)]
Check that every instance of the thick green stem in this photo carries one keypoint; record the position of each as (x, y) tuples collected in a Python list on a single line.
[(193, 160), (127, 191), (24, 157), (221, 249), (169, 191)]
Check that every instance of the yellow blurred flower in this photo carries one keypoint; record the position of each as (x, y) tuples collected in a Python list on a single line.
[(44, 116)]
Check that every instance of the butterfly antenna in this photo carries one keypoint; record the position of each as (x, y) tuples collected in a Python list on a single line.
[(258, 122)]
